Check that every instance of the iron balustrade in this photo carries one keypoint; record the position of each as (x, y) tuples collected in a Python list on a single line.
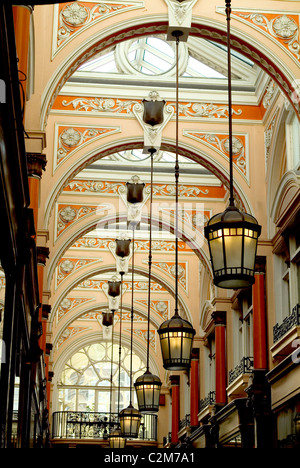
[(167, 439), (244, 367), (288, 322), (209, 400), (185, 422), (91, 425)]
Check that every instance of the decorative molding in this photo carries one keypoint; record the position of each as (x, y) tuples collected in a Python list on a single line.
[(69, 214), (160, 307), (268, 135), (128, 108), (170, 267), (36, 164), (142, 333), (159, 190), (279, 26), (69, 333), (68, 266), (72, 138), (179, 17), (152, 133), (70, 303), (220, 143), (73, 18)]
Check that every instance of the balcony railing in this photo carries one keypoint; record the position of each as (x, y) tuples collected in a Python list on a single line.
[(185, 422), (288, 322), (209, 400), (244, 367), (88, 425)]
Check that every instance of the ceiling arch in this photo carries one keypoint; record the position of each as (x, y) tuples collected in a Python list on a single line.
[(203, 157), (112, 269), (200, 28), (92, 224)]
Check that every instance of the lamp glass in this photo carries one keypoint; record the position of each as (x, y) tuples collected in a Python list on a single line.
[(130, 420), (176, 340), (147, 388), (232, 237), (116, 440)]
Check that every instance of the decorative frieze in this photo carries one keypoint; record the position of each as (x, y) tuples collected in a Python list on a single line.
[(159, 190), (124, 107)]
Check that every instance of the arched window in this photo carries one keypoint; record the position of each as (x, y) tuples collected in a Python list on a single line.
[(85, 382)]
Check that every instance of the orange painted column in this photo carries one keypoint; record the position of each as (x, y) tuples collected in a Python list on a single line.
[(194, 386), (21, 15), (259, 320), (220, 357), (175, 383)]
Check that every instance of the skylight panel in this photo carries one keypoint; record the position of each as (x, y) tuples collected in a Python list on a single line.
[(201, 69)]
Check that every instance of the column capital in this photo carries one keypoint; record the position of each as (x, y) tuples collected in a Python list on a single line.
[(42, 255), (260, 264), (174, 379), (195, 353), (219, 317), (46, 309), (36, 164)]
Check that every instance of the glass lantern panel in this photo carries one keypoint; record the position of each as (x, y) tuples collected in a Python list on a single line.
[(216, 246), (233, 251)]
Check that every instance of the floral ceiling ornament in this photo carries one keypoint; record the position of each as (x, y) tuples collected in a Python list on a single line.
[(220, 142), (72, 18), (75, 14), (284, 29), (70, 138)]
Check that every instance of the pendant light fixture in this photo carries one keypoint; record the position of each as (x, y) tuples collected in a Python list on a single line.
[(130, 417), (176, 334), (116, 439), (148, 386), (232, 235)]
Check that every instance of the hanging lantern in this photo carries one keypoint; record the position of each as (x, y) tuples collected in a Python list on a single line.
[(147, 388), (123, 247), (116, 439), (176, 335), (114, 288), (107, 319), (232, 235), (153, 112), (130, 420), (176, 340), (135, 192), (232, 238)]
